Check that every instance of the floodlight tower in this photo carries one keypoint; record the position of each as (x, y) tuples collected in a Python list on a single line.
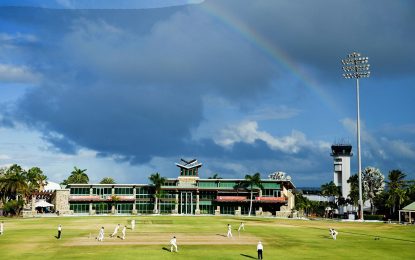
[(356, 67)]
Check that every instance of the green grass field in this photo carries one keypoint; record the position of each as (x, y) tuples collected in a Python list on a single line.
[(203, 237)]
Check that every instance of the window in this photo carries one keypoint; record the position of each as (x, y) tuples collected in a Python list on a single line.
[(102, 208), (124, 191), (207, 209), (227, 184), (228, 209), (123, 208), (102, 192), (80, 207), (80, 191), (208, 184), (144, 207)]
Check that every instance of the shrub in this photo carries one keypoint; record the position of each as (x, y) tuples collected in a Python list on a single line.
[(374, 217), (13, 207)]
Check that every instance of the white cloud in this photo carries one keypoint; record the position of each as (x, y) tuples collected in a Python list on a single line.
[(383, 147), (248, 132), (17, 37), (271, 112), (4, 157), (17, 74)]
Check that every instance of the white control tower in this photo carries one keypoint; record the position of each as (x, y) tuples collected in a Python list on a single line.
[(341, 158)]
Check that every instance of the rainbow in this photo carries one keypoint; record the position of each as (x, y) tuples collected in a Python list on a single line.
[(271, 50)]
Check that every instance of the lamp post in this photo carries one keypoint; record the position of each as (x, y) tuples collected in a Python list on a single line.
[(356, 67)]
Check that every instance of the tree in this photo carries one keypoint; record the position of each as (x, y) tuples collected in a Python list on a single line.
[(36, 179), (330, 190), (107, 180), (14, 183), (215, 176), (251, 181), (373, 181), (354, 189), (77, 176), (157, 182), (396, 183)]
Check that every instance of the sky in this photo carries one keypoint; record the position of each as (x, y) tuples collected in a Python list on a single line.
[(127, 88)]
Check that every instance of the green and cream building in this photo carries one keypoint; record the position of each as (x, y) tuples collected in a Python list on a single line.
[(188, 194)]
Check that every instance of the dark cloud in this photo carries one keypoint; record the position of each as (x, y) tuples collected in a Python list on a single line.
[(130, 83)]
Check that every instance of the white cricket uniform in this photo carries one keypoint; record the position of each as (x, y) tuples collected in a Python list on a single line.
[(133, 224), (101, 235), (334, 234), (1, 228), (173, 243), (123, 232), (229, 231), (115, 231), (241, 226)]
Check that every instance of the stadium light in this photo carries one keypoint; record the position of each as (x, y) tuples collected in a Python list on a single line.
[(355, 67)]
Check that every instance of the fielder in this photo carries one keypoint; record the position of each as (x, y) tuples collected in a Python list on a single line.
[(173, 243), (123, 232), (241, 227), (59, 231), (133, 224), (333, 233), (229, 231), (101, 234), (115, 230), (259, 249), (1, 228)]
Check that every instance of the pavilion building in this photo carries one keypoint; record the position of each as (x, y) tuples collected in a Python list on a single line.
[(188, 194)]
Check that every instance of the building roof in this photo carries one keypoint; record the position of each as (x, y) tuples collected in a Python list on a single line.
[(189, 164), (410, 207), (51, 186)]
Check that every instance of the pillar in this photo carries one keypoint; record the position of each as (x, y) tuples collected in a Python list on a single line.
[(238, 211), (134, 212), (176, 204), (33, 204), (217, 211), (91, 211), (197, 211)]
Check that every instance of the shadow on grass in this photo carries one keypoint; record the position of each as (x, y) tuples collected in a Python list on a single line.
[(222, 235), (166, 249), (248, 256)]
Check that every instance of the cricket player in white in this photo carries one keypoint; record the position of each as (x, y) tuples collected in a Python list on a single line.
[(229, 231), (123, 232), (133, 224), (1, 228), (259, 249), (59, 231), (173, 243), (115, 230), (101, 234), (241, 227), (333, 233)]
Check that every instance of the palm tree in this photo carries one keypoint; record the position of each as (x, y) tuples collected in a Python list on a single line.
[(354, 190), (157, 182), (13, 183), (251, 181), (77, 176), (330, 190), (395, 184), (215, 176), (107, 180), (36, 179)]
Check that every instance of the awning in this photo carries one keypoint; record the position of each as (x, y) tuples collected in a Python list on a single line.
[(43, 204)]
